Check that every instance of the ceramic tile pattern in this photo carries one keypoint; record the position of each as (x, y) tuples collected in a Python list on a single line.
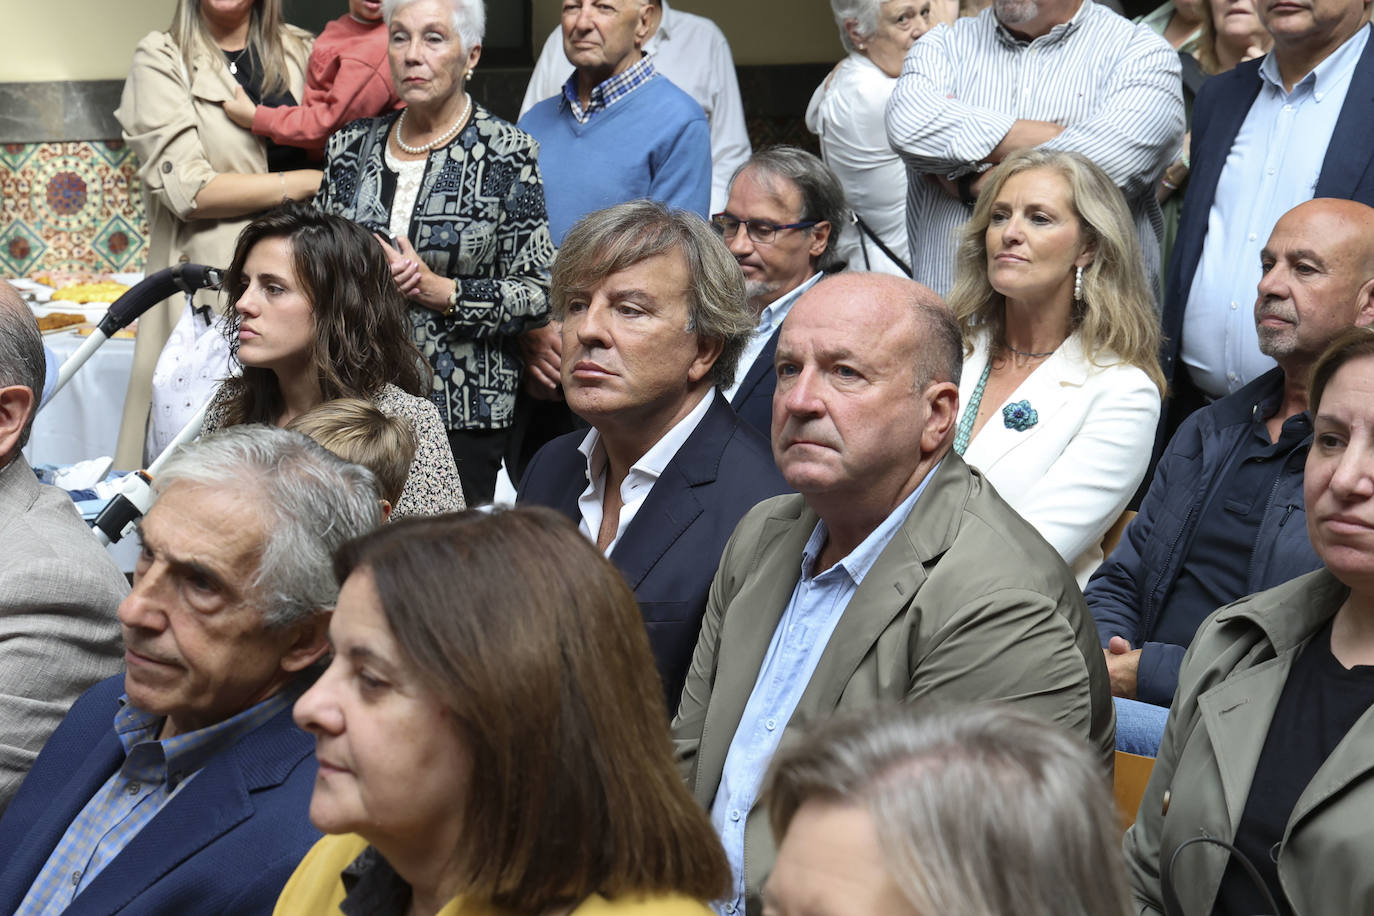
[(72, 206)]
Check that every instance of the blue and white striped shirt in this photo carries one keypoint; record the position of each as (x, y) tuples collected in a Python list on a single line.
[(153, 773), (1114, 85), (607, 93), (803, 632)]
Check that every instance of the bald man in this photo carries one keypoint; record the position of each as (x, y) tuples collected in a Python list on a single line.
[(1224, 516), (917, 582)]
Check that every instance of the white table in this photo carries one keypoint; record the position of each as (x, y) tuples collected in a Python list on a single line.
[(82, 420)]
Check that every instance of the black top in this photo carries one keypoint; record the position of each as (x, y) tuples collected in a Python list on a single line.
[(247, 69), (1217, 568), (1321, 701)]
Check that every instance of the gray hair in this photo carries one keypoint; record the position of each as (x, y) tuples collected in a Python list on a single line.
[(469, 18), (821, 193), (613, 239), (22, 360), (310, 501), (963, 800), (865, 16)]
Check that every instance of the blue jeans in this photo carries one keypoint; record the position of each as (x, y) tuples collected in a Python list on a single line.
[(1139, 726)]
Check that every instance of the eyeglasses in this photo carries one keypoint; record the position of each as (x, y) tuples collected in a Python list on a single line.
[(759, 230)]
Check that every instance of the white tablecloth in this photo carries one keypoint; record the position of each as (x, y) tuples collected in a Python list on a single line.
[(82, 421)]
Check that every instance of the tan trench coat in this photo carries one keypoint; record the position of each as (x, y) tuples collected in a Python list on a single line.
[(175, 123)]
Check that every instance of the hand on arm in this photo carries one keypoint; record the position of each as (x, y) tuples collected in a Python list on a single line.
[(1024, 134), (542, 349), (230, 195)]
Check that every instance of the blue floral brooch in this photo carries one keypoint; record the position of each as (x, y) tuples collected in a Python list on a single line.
[(1020, 416)]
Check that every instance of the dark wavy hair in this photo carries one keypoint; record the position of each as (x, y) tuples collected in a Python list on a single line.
[(362, 331)]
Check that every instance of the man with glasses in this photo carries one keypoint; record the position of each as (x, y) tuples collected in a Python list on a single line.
[(785, 212)]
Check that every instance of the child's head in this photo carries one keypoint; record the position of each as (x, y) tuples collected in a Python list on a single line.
[(357, 431)]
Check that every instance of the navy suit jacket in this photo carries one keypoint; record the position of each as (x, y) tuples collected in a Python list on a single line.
[(1220, 110), (753, 399), (226, 843), (670, 551)]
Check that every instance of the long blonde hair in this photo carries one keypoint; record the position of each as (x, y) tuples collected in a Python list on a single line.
[(1116, 315), (267, 37)]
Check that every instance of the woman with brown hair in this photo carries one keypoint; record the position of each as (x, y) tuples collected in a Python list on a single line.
[(499, 747), (313, 315)]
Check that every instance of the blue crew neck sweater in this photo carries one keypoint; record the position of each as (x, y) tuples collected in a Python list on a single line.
[(652, 143)]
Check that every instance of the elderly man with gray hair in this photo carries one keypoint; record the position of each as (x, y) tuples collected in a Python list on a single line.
[(183, 787), (58, 586), (654, 319)]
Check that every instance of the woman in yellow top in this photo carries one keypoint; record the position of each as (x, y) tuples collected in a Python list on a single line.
[(496, 746)]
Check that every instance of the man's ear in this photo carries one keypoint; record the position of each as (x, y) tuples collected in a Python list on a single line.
[(708, 351), (820, 236), (386, 510), (943, 401), (645, 24), (16, 406), (309, 642), (1364, 306)]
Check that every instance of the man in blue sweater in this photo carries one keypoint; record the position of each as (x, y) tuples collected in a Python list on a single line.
[(1224, 517), (619, 131)]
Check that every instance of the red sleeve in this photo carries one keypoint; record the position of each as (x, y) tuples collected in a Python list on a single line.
[(358, 90)]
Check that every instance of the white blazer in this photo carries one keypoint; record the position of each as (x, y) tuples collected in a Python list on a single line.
[(1073, 472)]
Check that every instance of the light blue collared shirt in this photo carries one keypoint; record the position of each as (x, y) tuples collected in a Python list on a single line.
[(1273, 166), (770, 319), (800, 639)]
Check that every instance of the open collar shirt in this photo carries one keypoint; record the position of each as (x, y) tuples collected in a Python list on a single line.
[(803, 632), (1273, 166), (153, 773), (643, 474), (770, 319)]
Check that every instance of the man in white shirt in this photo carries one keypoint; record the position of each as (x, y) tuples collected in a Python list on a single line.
[(654, 319), (782, 223), (691, 51), (1267, 135)]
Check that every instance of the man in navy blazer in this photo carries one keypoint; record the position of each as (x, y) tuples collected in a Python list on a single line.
[(782, 222), (184, 787), (1262, 143), (654, 320)]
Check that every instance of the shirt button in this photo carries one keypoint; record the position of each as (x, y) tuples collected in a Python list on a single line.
[(1269, 171), (771, 724), (1231, 376), (734, 815), (1252, 236), (1288, 108), (133, 788), (1234, 306), (76, 878), (729, 907)]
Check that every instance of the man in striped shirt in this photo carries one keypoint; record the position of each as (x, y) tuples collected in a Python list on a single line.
[(1063, 74)]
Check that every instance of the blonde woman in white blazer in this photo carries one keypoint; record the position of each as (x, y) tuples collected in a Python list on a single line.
[(203, 176), (1061, 386)]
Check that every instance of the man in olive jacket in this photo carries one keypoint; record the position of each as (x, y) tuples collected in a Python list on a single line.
[(917, 581)]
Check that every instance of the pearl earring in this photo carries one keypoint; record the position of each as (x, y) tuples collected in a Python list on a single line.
[(1078, 285)]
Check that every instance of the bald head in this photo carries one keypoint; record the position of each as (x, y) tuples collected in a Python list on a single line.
[(22, 365), (1318, 279)]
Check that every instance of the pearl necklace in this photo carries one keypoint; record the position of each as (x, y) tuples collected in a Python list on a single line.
[(437, 141)]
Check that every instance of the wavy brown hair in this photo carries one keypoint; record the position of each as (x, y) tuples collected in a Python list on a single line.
[(534, 643), (362, 329), (1116, 316), (267, 38)]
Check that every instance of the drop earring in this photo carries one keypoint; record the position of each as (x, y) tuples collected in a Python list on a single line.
[(1078, 284)]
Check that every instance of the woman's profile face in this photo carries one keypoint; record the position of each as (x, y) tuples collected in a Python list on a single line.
[(276, 319), (392, 766), (1338, 482)]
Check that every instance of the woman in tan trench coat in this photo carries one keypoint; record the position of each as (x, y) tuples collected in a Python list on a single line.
[(203, 176)]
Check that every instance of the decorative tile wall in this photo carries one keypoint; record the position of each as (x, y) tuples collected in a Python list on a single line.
[(71, 206)]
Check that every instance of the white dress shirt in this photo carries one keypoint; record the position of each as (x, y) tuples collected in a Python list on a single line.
[(1115, 85), (770, 319), (1273, 166), (644, 473), (846, 113), (691, 51)]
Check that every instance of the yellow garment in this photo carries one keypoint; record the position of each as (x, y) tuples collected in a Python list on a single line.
[(315, 889)]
